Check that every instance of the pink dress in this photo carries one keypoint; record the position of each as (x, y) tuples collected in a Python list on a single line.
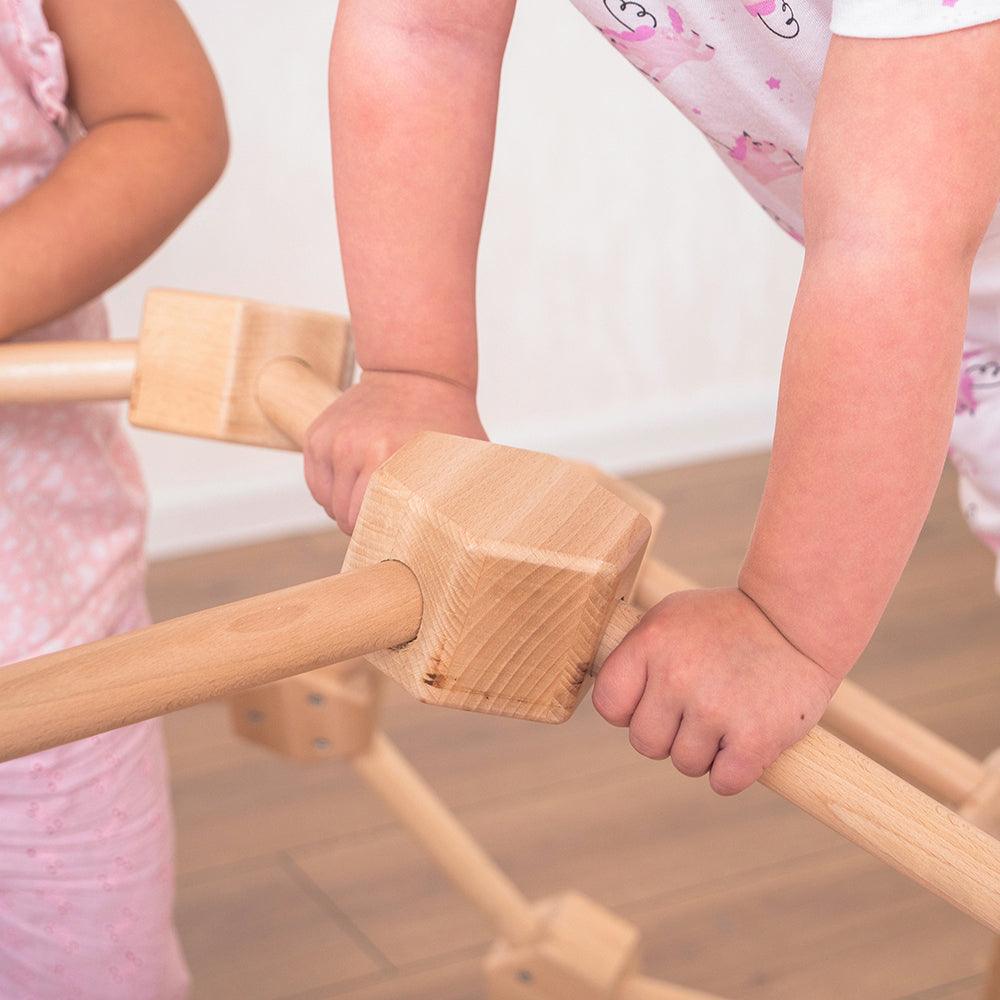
[(86, 835)]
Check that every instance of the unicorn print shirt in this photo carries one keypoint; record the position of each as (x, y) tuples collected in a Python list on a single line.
[(746, 74)]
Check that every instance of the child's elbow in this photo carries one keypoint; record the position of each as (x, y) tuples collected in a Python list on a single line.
[(210, 141), (197, 135), (217, 153)]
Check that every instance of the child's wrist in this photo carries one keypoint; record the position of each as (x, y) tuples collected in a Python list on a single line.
[(794, 620), (413, 376)]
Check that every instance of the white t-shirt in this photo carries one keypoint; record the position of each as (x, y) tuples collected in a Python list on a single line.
[(747, 73)]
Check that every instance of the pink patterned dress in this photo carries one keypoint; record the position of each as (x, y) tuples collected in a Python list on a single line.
[(86, 836)]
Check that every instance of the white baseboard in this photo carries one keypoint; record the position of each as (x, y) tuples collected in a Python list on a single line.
[(216, 516), (633, 439)]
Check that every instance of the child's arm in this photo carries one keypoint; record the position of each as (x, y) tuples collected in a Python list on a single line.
[(156, 144), (902, 179), (413, 100)]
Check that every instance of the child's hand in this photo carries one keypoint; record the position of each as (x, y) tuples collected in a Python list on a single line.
[(372, 419), (707, 680)]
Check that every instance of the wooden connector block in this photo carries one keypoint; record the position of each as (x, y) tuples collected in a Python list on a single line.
[(199, 358), (645, 503), (583, 952), (521, 560), (326, 713)]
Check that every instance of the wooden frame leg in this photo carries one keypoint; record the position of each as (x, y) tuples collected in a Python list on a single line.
[(565, 949), (446, 840)]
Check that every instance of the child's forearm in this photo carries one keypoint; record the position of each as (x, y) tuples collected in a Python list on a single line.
[(869, 383), (113, 200), (867, 397), (413, 99), (156, 143)]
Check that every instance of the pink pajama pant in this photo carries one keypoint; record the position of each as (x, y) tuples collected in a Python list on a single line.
[(86, 871)]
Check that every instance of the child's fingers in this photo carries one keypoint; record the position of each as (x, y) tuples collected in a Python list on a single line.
[(734, 770), (620, 683), (319, 479), (695, 747), (654, 724), (318, 468), (358, 495), (345, 476)]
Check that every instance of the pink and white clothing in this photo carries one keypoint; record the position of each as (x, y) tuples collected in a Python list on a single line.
[(746, 74), (86, 837)]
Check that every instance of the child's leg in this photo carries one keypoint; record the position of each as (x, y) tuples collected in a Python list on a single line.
[(86, 872)]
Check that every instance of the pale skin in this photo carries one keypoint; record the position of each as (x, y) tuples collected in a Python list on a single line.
[(902, 176), (156, 143)]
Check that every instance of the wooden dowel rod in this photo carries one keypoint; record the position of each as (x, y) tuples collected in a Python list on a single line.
[(292, 396), (908, 748), (877, 810), (66, 371), (65, 696), (866, 722), (645, 988), (891, 819), (447, 841)]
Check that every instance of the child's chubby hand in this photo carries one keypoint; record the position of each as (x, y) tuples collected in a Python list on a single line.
[(368, 423), (708, 681)]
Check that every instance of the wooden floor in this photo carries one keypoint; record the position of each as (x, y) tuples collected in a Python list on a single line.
[(294, 883)]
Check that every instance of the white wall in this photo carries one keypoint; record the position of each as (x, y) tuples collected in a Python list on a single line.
[(633, 300)]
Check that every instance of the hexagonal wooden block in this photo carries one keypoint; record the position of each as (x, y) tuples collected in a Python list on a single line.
[(199, 357), (636, 497), (330, 712), (583, 953), (521, 559)]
